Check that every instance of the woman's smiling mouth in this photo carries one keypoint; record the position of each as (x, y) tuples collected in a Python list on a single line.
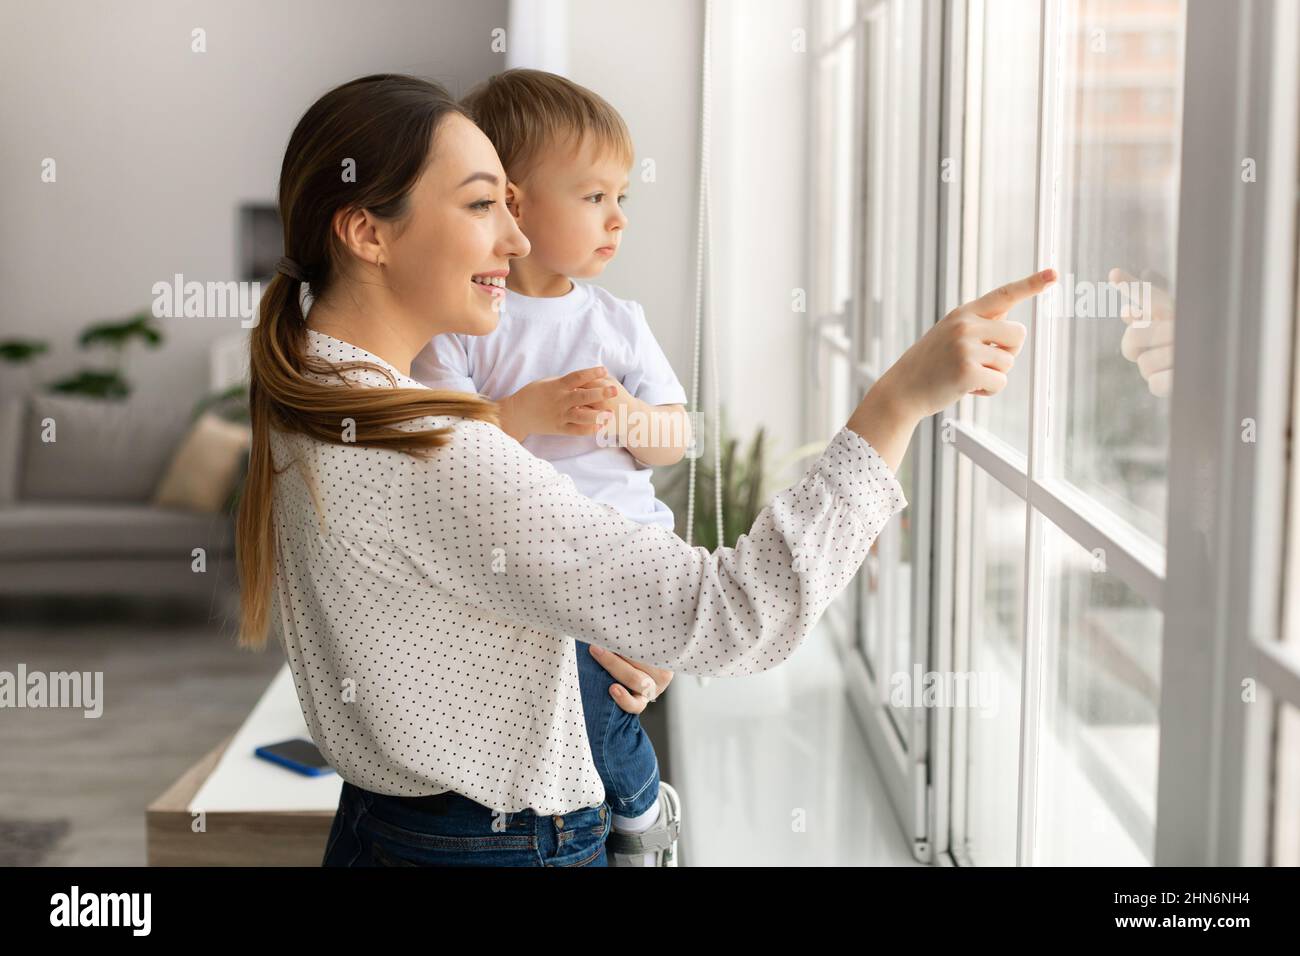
[(493, 283)]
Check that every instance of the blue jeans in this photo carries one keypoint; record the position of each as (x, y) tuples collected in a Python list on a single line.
[(624, 756), (447, 829)]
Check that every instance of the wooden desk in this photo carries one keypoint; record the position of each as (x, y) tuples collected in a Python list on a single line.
[(254, 812)]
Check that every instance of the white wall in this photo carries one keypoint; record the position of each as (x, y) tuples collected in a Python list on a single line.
[(156, 146), (759, 184), (645, 59)]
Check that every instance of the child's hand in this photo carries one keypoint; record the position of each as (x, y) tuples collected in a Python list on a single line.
[(637, 684), (621, 398), (618, 414), (557, 406)]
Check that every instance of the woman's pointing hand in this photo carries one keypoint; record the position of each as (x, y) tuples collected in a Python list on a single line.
[(970, 350)]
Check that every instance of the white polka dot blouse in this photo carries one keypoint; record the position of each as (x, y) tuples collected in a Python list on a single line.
[(428, 607)]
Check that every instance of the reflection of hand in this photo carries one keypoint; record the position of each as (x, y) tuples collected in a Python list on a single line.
[(1149, 340), (638, 684)]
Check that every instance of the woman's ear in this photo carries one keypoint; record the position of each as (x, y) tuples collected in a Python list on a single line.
[(356, 231)]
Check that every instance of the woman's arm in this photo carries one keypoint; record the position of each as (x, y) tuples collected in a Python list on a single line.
[(496, 529), (491, 526)]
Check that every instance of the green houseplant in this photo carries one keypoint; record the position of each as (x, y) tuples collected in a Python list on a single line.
[(746, 477), (22, 352), (117, 336)]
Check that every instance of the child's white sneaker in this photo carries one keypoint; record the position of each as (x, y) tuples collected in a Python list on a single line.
[(659, 843)]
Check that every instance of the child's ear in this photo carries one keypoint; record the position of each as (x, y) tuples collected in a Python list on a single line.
[(513, 193)]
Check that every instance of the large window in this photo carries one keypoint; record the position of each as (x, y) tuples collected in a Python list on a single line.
[(872, 146), (963, 143), (1070, 162)]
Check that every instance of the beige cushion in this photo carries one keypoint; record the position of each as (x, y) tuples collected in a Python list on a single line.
[(206, 466)]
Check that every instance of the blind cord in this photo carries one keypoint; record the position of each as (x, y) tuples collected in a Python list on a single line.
[(703, 275)]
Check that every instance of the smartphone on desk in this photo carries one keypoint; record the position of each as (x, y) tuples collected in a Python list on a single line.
[(298, 755)]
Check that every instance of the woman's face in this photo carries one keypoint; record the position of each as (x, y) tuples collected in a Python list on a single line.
[(458, 231)]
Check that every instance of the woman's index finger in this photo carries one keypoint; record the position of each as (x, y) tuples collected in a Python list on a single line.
[(1002, 299)]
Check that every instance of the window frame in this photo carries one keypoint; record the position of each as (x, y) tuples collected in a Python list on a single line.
[(1225, 538), (1212, 802), (904, 765)]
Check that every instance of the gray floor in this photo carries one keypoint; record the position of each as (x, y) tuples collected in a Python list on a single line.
[(746, 752), (774, 770), (75, 788)]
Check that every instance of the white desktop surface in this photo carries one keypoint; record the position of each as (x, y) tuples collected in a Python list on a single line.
[(244, 782)]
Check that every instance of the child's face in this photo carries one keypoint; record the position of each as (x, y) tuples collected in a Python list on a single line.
[(569, 207)]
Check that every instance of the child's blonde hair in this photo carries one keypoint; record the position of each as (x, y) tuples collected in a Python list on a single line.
[(524, 112)]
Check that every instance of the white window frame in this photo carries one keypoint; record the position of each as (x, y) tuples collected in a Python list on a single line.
[(1224, 539), (1236, 252), (904, 765), (1227, 823)]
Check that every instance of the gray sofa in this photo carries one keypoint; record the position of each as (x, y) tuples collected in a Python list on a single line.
[(76, 515)]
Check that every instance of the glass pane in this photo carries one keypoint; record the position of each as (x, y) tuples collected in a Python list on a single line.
[(1117, 243), (1100, 735), (1008, 172), (1286, 796), (892, 182), (843, 113), (819, 296), (996, 654), (833, 392), (902, 196), (875, 184), (897, 546), (1286, 801), (840, 16)]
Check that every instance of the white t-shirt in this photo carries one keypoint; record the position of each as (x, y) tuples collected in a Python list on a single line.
[(542, 338)]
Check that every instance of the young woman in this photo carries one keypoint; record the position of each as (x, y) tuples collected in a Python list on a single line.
[(430, 573)]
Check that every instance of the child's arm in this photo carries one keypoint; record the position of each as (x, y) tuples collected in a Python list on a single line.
[(556, 406), (673, 427), (649, 413), (654, 434)]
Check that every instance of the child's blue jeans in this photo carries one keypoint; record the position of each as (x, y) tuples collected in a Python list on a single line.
[(625, 757)]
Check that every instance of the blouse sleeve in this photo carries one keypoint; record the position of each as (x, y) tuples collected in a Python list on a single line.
[(500, 531)]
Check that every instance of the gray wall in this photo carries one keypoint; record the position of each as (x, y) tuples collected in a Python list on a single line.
[(156, 146)]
